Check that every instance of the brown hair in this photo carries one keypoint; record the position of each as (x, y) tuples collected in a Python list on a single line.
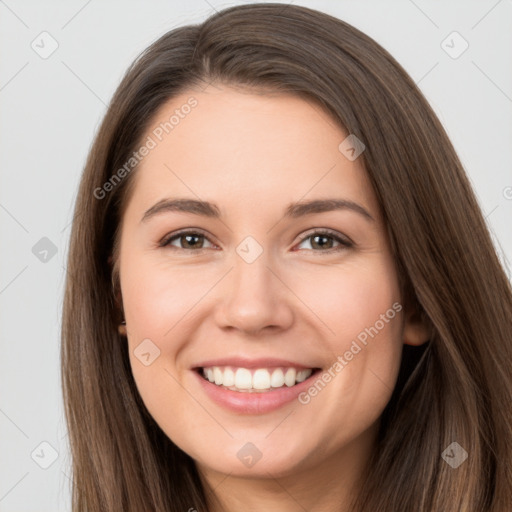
[(461, 387)]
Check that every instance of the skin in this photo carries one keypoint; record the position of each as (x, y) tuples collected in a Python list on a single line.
[(252, 154)]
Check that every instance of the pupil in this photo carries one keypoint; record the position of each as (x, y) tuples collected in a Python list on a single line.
[(322, 237), (188, 237)]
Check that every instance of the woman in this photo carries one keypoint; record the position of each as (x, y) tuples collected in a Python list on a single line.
[(339, 338)]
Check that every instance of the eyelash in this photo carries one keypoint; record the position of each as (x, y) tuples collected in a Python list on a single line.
[(344, 243)]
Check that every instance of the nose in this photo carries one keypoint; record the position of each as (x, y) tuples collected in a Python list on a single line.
[(254, 298)]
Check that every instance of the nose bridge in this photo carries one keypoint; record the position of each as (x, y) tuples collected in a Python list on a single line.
[(251, 274), (255, 298)]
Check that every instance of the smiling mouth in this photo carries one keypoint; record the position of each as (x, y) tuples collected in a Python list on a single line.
[(257, 380)]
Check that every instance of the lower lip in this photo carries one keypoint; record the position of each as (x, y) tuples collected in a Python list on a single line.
[(253, 403)]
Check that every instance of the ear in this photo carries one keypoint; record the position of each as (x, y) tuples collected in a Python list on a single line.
[(416, 330)]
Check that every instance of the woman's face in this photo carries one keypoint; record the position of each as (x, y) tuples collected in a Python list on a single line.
[(255, 292)]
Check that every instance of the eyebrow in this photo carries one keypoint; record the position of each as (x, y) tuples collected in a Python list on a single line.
[(294, 210)]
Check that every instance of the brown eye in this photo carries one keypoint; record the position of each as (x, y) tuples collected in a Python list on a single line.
[(189, 240), (322, 241)]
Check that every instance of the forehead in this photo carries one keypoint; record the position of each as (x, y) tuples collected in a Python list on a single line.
[(246, 147)]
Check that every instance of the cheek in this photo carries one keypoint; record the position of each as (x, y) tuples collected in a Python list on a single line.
[(161, 303), (361, 317), (157, 303), (349, 396), (157, 297), (350, 298)]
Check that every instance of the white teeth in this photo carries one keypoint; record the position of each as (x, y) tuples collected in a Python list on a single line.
[(229, 377), (217, 375), (289, 377), (261, 379), (277, 379), (302, 375), (243, 379)]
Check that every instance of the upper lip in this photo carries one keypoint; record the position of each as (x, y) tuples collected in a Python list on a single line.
[(242, 362)]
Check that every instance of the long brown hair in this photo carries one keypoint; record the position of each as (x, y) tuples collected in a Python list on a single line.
[(460, 389)]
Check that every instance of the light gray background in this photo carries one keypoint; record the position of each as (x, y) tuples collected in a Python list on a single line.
[(51, 108)]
